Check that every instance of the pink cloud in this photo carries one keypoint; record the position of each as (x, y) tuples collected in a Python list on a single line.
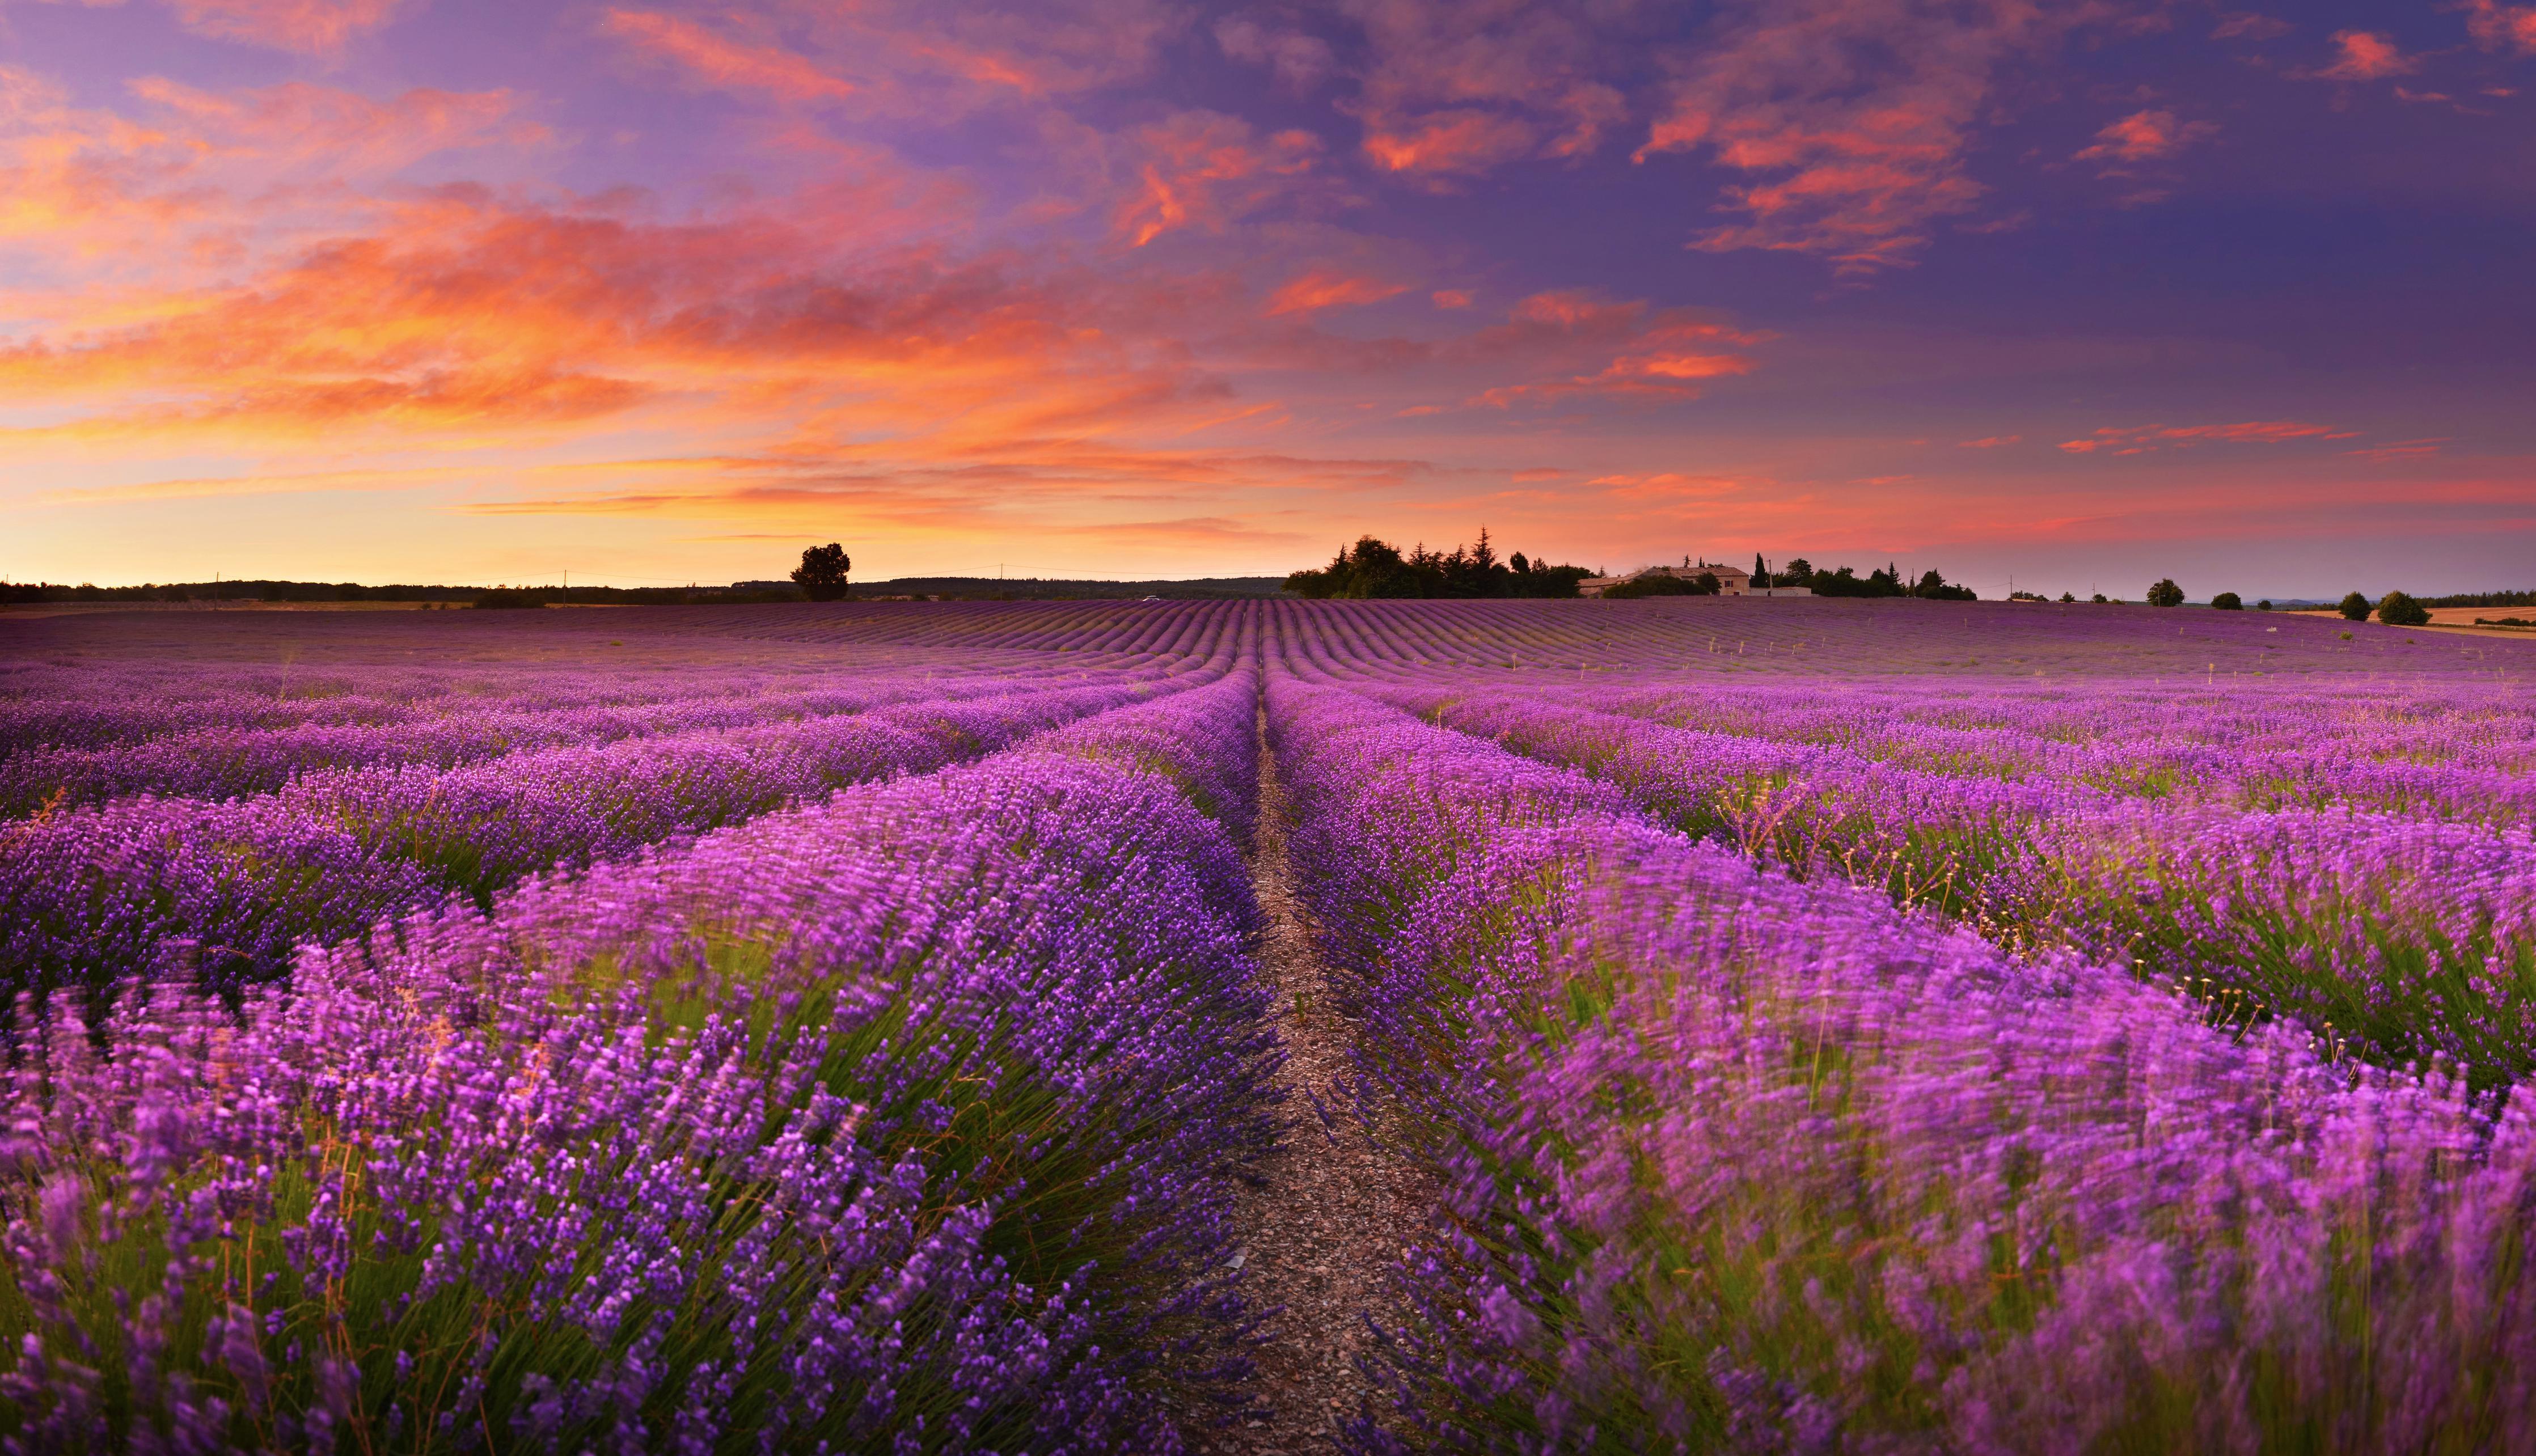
[(1988, 442), (2143, 439), (1450, 142), (906, 57), (1647, 354), (1202, 169), (2145, 136), (301, 122), (2497, 26), (1860, 111), (310, 27), (2365, 57), (1665, 485), (2399, 451), (1298, 61), (2247, 25), (1456, 88), (1449, 299), (727, 64)]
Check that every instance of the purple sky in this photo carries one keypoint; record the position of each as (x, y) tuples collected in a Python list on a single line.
[(2079, 294)]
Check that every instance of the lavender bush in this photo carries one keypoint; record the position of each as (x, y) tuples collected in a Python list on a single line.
[(1852, 1026), (904, 1122), (1741, 1161)]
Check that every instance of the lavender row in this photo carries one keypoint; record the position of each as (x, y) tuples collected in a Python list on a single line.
[(121, 704), (2449, 749), (2406, 938), (1739, 1162), (1758, 646), (225, 890), (230, 763), (2461, 754), (906, 1122), (117, 701)]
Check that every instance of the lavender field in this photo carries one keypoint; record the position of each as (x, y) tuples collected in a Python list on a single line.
[(1691, 1024)]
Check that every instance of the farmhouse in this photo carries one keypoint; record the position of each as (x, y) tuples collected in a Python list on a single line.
[(1732, 581)]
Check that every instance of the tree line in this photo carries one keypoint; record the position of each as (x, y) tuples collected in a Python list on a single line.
[(1374, 568), (26, 594)]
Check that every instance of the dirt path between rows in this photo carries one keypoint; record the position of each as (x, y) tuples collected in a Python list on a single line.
[(1319, 1237)]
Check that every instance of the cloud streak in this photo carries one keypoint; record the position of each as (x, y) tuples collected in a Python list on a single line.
[(2145, 136), (2144, 439)]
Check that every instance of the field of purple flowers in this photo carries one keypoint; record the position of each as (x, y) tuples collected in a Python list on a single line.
[(1825, 1026)]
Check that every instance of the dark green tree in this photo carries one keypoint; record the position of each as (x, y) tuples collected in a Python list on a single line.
[(822, 572), (2228, 601), (2396, 609), (1663, 584), (1375, 568), (2166, 594), (2066, 597), (2354, 608), (2264, 605), (1933, 587)]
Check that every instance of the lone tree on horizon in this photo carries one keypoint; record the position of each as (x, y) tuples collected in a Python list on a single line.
[(822, 572), (2166, 594)]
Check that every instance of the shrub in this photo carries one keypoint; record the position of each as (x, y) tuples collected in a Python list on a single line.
[(1658, 584), (2354, 607), (2231, 602), (2396, 609)]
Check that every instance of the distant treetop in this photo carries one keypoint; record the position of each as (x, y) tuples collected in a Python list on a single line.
[(1374, 568)]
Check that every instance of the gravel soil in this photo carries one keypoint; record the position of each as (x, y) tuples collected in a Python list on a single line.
[(1319, 1236)]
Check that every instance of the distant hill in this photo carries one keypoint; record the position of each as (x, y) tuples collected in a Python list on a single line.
[(958, 587), (1039, 589)]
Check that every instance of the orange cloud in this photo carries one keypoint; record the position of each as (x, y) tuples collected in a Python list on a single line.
[(2145, 136), (2497, 26), (921, 57), (465, 315), (2143, 439), (1455, 90), (1321, 290), (1204, 169), (1988, 442), (309, 27), (1863, 107), (1450, 142), (201, 181), (2365, 57), (1648, 354), (726, 64)]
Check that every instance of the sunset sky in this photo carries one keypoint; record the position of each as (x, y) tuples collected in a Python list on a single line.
[(2081, 292)]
